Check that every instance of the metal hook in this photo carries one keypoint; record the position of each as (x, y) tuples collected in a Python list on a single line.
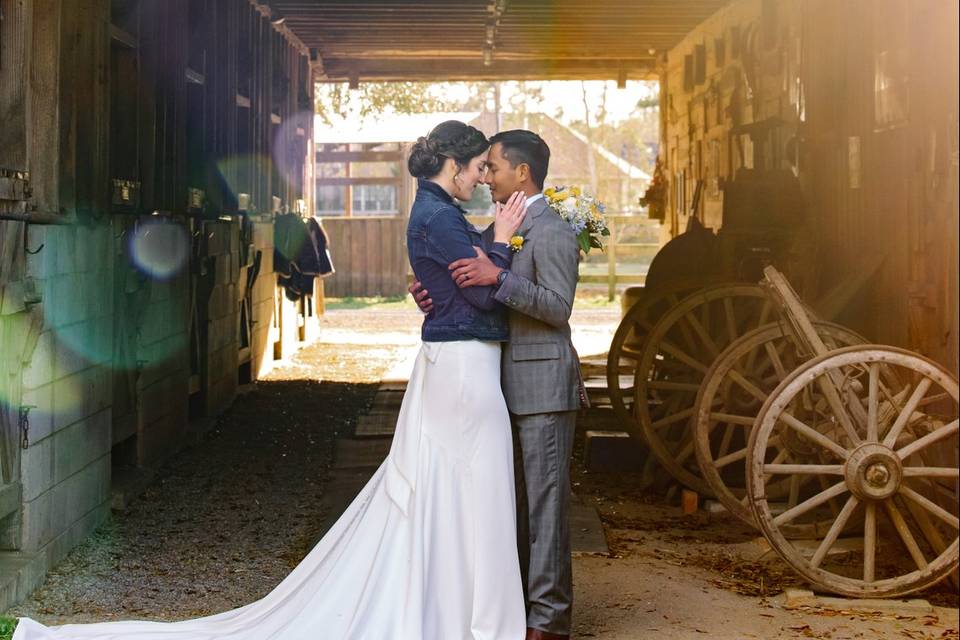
[(26, 239)]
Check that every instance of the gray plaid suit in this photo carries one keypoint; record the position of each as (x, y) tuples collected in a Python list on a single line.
[(541, 376)]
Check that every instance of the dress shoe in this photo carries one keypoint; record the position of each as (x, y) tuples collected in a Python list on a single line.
[(538, 634)]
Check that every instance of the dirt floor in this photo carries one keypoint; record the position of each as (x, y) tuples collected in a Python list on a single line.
[(227, 519)]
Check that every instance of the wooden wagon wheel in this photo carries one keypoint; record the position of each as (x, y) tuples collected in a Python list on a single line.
[(677, 353), (628, 341), (734, 388), (884, 423)]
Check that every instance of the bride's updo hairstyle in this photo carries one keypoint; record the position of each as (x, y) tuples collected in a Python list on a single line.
[(450, 139)]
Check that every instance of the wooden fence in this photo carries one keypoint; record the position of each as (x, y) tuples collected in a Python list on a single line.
[(369, 255), (631, 236)]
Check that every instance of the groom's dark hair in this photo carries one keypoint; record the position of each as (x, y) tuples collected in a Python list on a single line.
[(525, 147)]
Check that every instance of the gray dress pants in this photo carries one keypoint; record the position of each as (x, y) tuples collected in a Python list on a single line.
[(543, 446)]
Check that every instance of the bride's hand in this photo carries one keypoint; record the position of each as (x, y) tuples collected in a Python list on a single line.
[(509, 216)]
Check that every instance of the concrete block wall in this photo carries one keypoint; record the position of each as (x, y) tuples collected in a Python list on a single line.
[(65, 469), (93, 298), (264, 292), (223, 316), (162, 389)]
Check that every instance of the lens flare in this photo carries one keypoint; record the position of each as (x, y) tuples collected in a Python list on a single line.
[(160, 249)]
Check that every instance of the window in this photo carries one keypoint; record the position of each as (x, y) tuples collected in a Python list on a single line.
[(374, 199)]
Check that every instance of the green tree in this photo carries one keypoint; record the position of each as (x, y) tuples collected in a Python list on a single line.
[(338, 100)]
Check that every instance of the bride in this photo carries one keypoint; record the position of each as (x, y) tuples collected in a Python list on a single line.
[(427, 550)]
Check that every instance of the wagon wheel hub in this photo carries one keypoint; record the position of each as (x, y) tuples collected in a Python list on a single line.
[(873, 472)]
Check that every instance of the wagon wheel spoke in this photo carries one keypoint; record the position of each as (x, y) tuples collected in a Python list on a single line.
[(829, 389), (705, 313), (907, 412), (682, 356), (730, 418), (934, 436), (777, 459), (832, 503), (811, 503), (933, 508), (869, 542), (774, 356), (630, 354), (747, 386), (730, 458), (931, 472), (726, 439), (764, 313), (813, 435), (927, 527), (730, 319), (702, 334), (873, 429), (937, 397), (794, 495), (903, 529), (892, 404), (669, 406), (666, 385), (834, 531), (673, 418), (804, 469), (684, 453)]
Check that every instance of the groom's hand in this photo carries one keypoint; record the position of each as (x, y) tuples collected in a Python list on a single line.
[(475, 272), (421, 296)]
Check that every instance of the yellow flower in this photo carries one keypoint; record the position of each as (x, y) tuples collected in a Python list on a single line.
[(575, 191), (516, 243), (560, 196), (549, 191)]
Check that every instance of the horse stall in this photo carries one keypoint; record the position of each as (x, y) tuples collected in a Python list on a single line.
[(146, 152)]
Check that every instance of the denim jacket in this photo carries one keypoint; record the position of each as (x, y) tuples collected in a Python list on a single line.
[(438, 234)]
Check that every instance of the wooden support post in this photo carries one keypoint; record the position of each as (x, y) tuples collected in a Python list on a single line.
[(611, 251)]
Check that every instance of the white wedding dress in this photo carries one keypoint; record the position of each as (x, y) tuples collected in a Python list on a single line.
[(426, 551)]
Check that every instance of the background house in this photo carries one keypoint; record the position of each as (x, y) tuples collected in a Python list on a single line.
[(364, 192)]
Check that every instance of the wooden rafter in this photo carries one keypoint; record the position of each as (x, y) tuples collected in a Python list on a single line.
[(490, 39)]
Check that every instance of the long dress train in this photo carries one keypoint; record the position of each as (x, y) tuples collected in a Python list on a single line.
[(426, 551)]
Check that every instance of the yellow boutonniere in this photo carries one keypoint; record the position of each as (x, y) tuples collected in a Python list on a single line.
[(516, 243)]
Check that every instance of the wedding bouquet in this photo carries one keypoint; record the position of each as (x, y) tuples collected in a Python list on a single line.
[(582, 211)]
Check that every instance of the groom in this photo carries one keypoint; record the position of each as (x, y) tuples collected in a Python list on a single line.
[(540, 370)]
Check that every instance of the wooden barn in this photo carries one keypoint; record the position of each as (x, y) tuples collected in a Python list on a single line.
[(149, 148)]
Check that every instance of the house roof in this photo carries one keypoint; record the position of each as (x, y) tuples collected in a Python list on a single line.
[(383, 127), (632, 171)]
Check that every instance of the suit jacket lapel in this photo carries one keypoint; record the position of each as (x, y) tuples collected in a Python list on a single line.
[(534, 211)]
